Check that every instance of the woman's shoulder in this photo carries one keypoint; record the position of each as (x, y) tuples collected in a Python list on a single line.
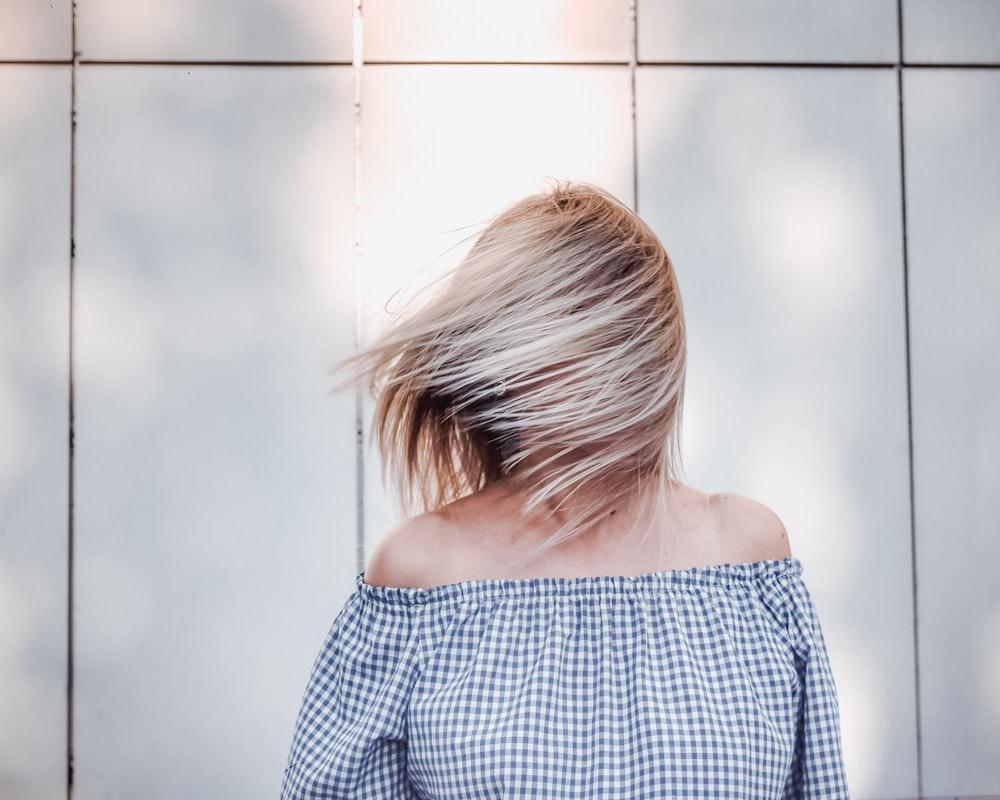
[(472, 538), (464, 539), (747, 529), (412, 554)]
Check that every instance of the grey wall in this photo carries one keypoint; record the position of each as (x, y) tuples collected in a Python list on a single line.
[(179, 493)]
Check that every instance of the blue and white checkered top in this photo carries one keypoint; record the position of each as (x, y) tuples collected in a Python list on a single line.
[(703, 683)]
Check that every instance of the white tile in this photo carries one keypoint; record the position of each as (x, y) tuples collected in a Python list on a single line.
[(34, 427), (952, 126), (215, 507), (435, 168), (215, 30), (515, 30), (32, 29), (767, 30), (776, 192), (951, 31)]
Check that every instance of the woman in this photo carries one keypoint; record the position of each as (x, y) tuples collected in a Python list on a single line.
[(565, 618)]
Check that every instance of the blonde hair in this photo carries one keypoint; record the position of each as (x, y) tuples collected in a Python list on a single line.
[(552, 358)]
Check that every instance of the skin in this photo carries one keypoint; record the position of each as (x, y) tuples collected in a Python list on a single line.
[(485, 536)]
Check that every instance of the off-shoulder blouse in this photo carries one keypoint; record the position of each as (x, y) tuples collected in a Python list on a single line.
[(703, 683)]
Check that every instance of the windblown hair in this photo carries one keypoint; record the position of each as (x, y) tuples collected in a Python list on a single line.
[(552, 358)]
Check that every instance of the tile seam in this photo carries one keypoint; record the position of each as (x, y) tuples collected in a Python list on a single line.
[(71, 425), (917, 707), (632, 69), (357, 64)]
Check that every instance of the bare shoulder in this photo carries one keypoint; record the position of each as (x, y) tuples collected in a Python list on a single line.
[(752, 529), (413, 554), (467, 539)]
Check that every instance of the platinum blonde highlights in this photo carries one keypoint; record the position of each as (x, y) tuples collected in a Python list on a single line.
[(553, 358)]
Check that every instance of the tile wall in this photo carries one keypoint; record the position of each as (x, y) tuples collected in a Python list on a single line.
[(182, 500)]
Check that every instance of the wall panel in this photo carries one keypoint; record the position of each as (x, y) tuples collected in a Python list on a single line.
[(953, 205), (215, 30), (215, 477), (516, 30), (951, 31), (767, 30), (34, 428), (30, 29)]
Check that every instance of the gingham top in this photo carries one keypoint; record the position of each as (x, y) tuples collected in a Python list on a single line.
[(703, 683)]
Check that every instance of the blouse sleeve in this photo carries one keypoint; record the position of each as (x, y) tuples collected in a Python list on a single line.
[(817, 767), (350, 738)]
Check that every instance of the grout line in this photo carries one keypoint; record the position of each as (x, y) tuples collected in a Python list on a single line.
[(634, 60), (497, 63), (104, 62), (98, 62), (357, 64), (775, 64), (822, 64), (886, 65), (35, 62), (882, 65), (909, 405), (71, 455), (949, 65), (851, 65), (900, 55)]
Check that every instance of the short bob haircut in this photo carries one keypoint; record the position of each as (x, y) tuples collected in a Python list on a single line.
[(552, 358)]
